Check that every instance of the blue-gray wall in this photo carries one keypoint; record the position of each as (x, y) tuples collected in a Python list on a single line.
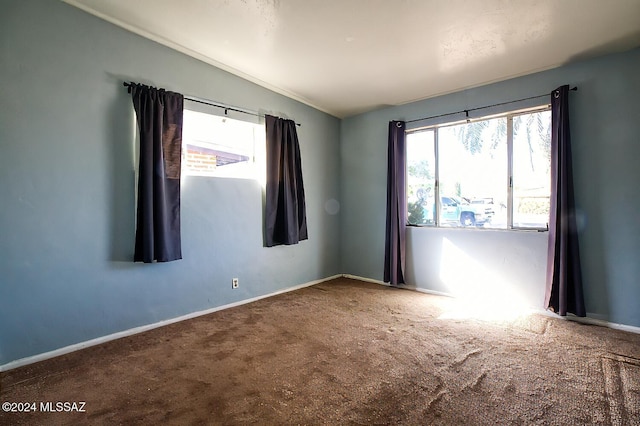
[(605, 123), (67, 187)]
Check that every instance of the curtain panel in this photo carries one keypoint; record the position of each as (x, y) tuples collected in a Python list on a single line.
[(395, 236), (159, 115), (564, 277), (285, 210)]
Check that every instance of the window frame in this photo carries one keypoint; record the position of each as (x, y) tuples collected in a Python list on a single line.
[(256, 158), (509, 115)]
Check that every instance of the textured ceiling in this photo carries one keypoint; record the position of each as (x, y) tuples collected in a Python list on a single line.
[(349, 56)]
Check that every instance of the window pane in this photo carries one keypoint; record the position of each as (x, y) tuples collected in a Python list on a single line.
[(421, 178), (473, 174), (531, 169), (220, 146)]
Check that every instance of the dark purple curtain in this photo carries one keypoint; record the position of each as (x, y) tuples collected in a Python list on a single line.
[(159, 116), (394, 252), (564, 277), (285, 211)]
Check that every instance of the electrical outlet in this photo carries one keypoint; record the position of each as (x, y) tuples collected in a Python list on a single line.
[(234, 283)]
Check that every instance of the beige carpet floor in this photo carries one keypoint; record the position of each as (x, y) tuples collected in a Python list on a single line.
[(343, 352)]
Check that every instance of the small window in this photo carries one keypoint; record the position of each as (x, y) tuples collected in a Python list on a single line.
[(473, 167), (421, 178), (222, 147), (531, 169), (489, 173)]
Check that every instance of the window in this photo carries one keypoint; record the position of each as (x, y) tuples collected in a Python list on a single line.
[(421, 177), (531, 169), (223, 147), (491, 173)]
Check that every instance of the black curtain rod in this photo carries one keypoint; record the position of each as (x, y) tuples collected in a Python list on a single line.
[(467, 111), (226, 108)]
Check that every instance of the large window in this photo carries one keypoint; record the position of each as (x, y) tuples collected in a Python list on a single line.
[(491, 173), (222, 147)]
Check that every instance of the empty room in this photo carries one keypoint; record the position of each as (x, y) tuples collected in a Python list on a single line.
[(320, 212)]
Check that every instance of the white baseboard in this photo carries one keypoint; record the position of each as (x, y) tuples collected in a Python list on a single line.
[(82, 345), (427, 291), (368, 280), (403, 286), (591, 318)]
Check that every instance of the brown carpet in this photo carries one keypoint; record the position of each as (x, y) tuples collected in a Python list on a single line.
[(343, 352)]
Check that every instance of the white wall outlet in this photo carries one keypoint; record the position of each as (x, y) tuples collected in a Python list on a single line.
[(234, 283)]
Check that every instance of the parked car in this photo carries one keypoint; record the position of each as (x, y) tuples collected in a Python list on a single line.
[(460, 211), (486, 204)]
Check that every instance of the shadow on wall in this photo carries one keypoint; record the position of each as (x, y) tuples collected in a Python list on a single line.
[(593, 185), (120, 137)]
